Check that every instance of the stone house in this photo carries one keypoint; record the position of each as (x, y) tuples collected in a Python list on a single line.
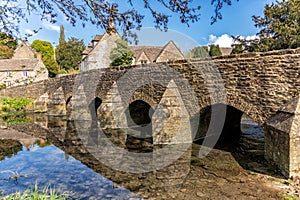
[(151, 54), (24, 67), (97, 53)]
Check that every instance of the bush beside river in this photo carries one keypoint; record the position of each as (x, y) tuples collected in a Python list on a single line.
[(13, 110)]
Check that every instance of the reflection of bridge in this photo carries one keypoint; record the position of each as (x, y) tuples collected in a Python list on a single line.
[(265, 86), (159, 184)]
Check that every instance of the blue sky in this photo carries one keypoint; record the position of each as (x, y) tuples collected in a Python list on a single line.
[(236, 21)]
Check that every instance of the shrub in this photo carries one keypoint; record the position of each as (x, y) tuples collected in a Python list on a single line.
[(14, 104)]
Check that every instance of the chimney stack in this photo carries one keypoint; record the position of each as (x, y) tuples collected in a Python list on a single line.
[(39, 56)]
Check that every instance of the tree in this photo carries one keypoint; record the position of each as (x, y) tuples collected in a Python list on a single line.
[(8, 40), (62, 39), (47, 51), (7, 45), (237, 49), (215, 50), (279, 28), (122, 55), (6, 52), (198, 52), (68, 54), (102, 12)]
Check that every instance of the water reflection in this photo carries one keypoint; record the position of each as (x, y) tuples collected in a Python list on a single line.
[(9, 148), (49, 166), (69, 166), (62, 166)]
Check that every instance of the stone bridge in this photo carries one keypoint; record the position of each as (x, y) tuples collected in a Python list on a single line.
[(265, 86)]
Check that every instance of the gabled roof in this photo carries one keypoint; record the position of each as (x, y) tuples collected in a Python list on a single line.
[(226, 51), (151, 52), (18, 64), (24, 51), (172, 45)]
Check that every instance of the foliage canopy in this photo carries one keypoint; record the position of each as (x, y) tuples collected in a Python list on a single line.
[(68, 54), (215, 50), (103, 12), (279, 28), (198, 52), (8, 40), (122, 55), (7, 45), (47, 51), (6, 52)]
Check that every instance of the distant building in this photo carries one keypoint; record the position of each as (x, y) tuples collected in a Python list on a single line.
[(152, 54), (224, 50), (24, 67), (97, 53)]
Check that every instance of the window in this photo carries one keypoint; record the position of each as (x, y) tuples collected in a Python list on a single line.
[(143, 61), (8, 83), (7, 73), (24, 73)]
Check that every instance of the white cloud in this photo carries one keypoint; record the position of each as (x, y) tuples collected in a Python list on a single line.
[(28, 31), (212, 38), (226, 41), (251, 37), (223, 41), (50, 26)]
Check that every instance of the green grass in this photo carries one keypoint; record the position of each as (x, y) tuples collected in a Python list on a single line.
[(47, 193), (289, 197), (14, 104), (13, 110)]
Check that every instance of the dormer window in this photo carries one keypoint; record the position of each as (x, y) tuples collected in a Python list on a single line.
[(25, 74)]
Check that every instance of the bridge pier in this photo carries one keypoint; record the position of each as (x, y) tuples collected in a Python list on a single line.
[(40, 104), (171, 120), (57, 104), (282, 138)]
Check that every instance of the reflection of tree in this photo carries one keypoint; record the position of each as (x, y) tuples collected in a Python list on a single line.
[(9, 147), (43, 143), (16, 119)]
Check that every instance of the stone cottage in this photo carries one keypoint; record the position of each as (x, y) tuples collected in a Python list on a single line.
[(97, 53), (24, 67), (151, 54)]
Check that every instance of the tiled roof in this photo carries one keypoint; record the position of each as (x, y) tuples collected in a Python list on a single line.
[(172, 44), (152, 52), (18, 64), (97, 38)]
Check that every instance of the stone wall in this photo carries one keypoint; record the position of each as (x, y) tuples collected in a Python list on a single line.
[(258, 84), (282, 138)]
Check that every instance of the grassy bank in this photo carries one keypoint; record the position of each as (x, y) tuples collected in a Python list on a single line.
[(34, 193), (13, 110)]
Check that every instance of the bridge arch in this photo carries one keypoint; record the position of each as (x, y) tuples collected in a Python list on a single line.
[(231, 130), (237, 101)]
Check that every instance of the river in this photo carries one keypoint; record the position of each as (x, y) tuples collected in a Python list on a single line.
[(49, 152)]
